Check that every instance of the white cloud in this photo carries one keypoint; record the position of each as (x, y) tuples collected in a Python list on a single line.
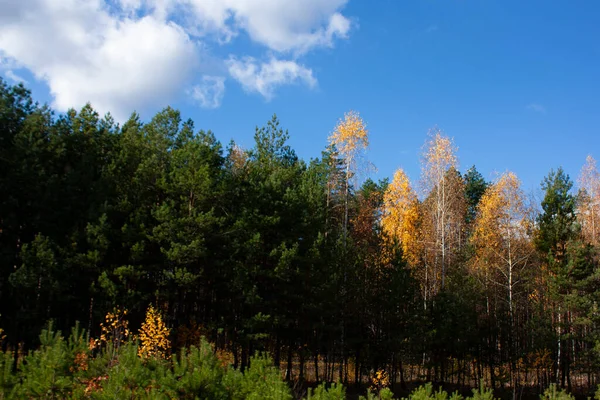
[(85, 54), (296, 26), (122, 55), (209, 93), (266, 77), (537, 108)]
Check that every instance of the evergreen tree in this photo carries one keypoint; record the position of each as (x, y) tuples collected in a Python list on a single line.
[(556, 229), (475, 186)]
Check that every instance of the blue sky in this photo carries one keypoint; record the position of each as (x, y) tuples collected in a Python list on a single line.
[(514, 83)]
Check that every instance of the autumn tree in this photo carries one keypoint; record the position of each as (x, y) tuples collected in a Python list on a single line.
[(114, 331), (503, 247), (154, 336), (400, 219), (444, 206), (588, 205), (501, 236), (351, 138)]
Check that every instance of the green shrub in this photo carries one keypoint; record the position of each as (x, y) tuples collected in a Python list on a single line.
[(334, 392), (132, 377), (482, 393), (426, 392), (384, 394), (260, 381), (7, 377), (45, 372), (197, 374), (552, 393)]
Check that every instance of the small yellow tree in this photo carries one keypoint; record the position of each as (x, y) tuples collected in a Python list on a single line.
[(380, 380), (154, 336), (401, 215), (114, 330)]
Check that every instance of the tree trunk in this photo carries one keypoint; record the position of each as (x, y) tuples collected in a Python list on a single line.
[(317, 367), (288, 372)]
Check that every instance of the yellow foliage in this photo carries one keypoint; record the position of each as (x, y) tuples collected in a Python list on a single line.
[(380, 380), (439, 155), (502, 235), (588, 207), (114, 329), (502, 223), (443, 210), (154, 336), (350, 134), (401, 215)]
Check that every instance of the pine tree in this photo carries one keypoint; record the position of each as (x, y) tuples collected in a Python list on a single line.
[(475, 186), (556, 229)]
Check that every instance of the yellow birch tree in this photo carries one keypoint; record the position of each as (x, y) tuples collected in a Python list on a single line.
[(350, 138), (588, 205), (501, 236), (444, 207)]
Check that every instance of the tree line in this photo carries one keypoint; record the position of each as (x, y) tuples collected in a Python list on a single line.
[(452, 279)]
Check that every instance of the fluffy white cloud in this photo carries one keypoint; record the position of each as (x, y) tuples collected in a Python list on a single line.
[(296, 26), (209, 93), (266, 77), (130, 54), (86, 54)]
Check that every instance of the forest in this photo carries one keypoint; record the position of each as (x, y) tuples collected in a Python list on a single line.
[(149, 260)]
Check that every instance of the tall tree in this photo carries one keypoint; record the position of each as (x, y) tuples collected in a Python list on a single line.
[(444, 200), (588, 204), (504, 251), (502, 236), (556, 223), (351, 138), (556, 230)]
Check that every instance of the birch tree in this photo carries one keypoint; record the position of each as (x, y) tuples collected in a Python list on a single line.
[(444, 204), (351, 139), (588, 204), (501, 236)]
